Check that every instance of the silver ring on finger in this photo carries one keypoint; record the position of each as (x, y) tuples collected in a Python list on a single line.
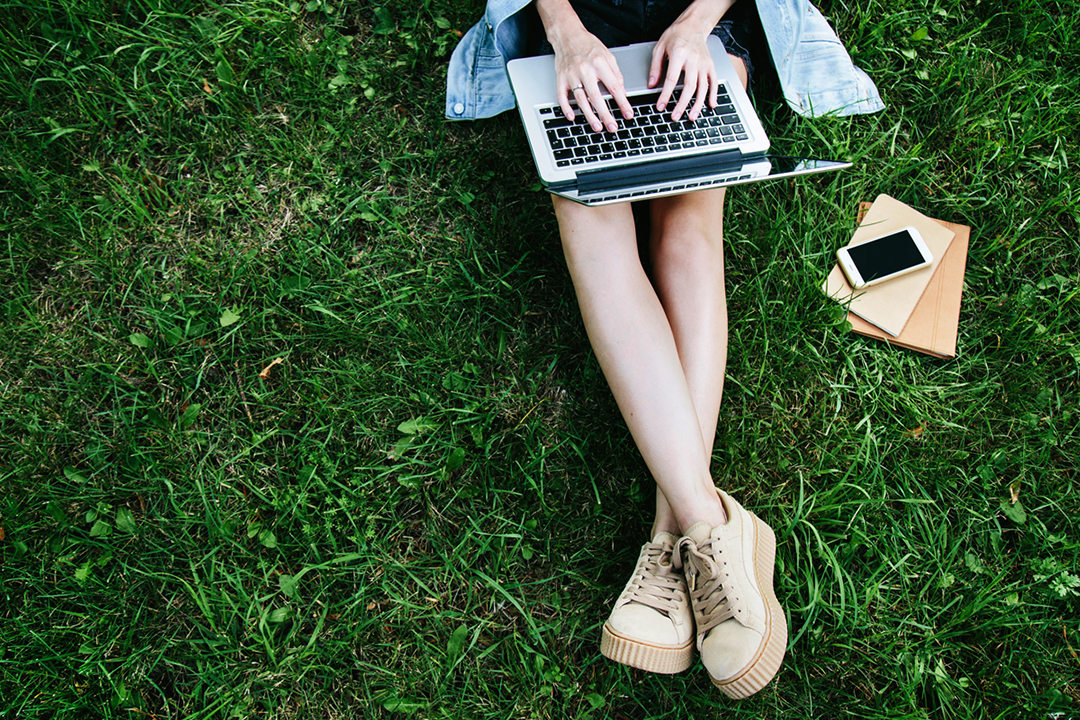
[(576, 88)]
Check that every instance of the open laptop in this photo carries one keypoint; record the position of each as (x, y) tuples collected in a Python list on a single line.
[(649, 156)]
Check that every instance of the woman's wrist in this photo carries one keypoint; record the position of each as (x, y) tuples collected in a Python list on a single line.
[(702, 15), (559, 20)]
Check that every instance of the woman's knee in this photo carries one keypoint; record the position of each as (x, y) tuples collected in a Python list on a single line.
[(689, 226), (584, 229)]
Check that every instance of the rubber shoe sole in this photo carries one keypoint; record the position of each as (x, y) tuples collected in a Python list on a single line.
[(766, 663), (651, 658)]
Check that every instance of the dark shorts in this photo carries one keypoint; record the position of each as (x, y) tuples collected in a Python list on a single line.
[(624, 22)]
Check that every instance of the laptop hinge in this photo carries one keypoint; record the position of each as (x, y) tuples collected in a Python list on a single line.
[(590, 182)]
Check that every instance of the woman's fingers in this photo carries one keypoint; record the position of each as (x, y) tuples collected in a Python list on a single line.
[(564, 102), (612, 78), (702, 93), (686, 57), (582, 71)]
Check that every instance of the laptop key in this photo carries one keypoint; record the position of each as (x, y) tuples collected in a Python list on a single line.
[(605, 156), (564, 154), (742, 137), (577, 161), (562, 163), (731, 119), (580, 151), (557, 122), (738, 129), (725, 109), (556, 144)]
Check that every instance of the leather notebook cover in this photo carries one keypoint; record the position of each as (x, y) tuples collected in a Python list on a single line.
[(890, 304), (935, 322)]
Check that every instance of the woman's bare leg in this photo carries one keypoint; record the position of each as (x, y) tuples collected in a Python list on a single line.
[(635, 343), (688, 271), (688, 265)]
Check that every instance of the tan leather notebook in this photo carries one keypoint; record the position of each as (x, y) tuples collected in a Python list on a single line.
[(935, 322), (890, 304)]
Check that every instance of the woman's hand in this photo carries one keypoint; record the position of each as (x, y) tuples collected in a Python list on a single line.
[(582, 63), (580, 66), (683, 48)]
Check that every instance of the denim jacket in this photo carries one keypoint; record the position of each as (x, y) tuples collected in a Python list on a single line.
[(816, 72)]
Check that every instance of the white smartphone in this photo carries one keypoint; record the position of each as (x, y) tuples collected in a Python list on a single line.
[(884, 257)]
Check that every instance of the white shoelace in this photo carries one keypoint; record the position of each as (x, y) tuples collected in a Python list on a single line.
[(709, 582), (656, 583)]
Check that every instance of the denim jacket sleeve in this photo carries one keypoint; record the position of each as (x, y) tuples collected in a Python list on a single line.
[(477, 85), (816, 72)]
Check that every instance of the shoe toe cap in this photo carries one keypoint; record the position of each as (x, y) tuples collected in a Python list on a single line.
[(729, 648), (644, 624)]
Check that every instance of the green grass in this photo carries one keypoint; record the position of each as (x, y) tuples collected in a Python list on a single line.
[(429, 504)]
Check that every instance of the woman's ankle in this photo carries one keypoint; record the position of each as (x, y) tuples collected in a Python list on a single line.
[(668, 525), (707, 509)]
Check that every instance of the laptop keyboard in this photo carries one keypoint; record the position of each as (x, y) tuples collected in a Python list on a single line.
[(649, 133)]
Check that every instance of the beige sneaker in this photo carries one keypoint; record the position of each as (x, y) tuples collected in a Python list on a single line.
[(741, 628), (651, 626)]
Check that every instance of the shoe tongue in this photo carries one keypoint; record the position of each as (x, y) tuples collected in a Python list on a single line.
[(665, 538), (699, 532)]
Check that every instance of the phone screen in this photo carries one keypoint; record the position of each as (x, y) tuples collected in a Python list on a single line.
[(885, 256)]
